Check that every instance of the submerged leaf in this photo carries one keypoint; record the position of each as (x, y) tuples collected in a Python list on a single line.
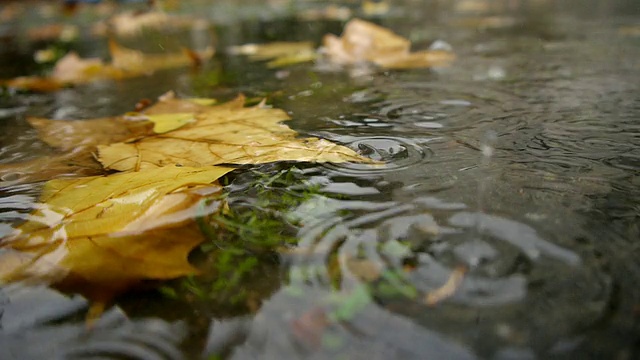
[(224, 134), (448, 289), (73, 164), (99, 235), (67, 135), (363, 41), (77, 140)]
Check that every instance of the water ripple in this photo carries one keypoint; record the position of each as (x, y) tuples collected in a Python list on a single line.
[(423, 241), (396, 153)]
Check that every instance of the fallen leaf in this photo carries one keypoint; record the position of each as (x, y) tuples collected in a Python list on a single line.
[(224, 134), (363, 41), (72, 69), (227, 133), (135, 63), (67, 135), (326, 12), (375, 8), (100, 235), (134, 23), (33, 83), (448, 289), (73, 164), (54, 31), (125, 63), (279, 53), (425, 58)]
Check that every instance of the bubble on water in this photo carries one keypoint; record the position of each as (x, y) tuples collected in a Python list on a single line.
[(475, 252), (455, 102), (488, 143), (428, 124), (441, 45), (395, 153)]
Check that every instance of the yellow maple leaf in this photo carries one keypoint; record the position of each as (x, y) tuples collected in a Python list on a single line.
[(99, 235), (224, 134)]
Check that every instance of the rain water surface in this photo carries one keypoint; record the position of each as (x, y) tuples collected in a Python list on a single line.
[(518, 168)]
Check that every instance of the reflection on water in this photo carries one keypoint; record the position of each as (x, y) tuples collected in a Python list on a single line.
[(545, 230), (31, 329)]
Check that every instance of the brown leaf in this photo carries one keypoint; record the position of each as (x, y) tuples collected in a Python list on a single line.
[(363, 41)]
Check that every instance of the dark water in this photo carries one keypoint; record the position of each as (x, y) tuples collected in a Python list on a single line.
[(520, 163)]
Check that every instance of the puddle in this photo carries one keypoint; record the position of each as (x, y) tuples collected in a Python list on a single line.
[(528, 245)]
